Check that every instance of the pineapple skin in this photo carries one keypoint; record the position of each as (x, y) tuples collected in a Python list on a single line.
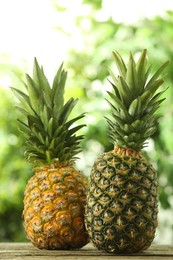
[(53, 212), (122, 202)]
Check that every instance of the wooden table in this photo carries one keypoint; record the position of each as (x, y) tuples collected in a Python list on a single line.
[(23, 251)]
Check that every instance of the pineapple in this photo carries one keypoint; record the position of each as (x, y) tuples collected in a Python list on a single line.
[(122, 201), (55, 195)]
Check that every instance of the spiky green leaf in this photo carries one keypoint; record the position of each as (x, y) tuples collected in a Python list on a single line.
[(134, 101), (120, 64), (41, 80), (50, 134), (156, 75)]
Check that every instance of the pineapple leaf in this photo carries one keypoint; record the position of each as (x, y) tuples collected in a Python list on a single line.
[(137, 124), (150, 132), (146, 96), (112, 106), (135, 107), (20, 95), (112, 75), (111, 125), (128, 128), (153, 87), (151, 109), (52, 144), (134, 101), (33, 120), (115, 89), (49, 156), (58, 131), (24, 99), (131, 76), (74, 130), (147, 74), (117, 100), (126, 95), (34, 94), (156, 75), (24, 128), (59, 145), (118, 119), (157, 96), (45, 115), (120, 64), (22, 110), (41, 80), (38, 132), (70, 122), (141, 68), (50, 127), (66, 110), (58, 89), (49, 136)]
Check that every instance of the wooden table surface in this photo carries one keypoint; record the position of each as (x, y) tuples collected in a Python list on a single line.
[(26, 251)]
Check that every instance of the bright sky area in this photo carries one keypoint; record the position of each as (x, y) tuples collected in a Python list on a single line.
[(27, 26)]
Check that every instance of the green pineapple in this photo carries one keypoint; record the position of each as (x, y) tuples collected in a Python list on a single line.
[(122, 201), (55, 196)]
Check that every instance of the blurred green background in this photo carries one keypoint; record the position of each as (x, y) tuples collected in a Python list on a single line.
[(84, 35)]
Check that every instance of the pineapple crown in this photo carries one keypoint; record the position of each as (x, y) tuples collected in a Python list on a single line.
[(50, 135), (134, 102)]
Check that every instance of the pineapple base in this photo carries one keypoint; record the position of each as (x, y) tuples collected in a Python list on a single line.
[(122, 204), (53, 212)]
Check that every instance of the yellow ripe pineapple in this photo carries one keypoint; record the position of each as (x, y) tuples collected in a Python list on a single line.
[(55, 196), (122, 201)]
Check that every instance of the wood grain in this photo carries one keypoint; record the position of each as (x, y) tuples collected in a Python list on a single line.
[(26, 251)]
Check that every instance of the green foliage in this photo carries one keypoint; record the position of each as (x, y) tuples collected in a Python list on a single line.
[(97, 4), (13, 171)]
